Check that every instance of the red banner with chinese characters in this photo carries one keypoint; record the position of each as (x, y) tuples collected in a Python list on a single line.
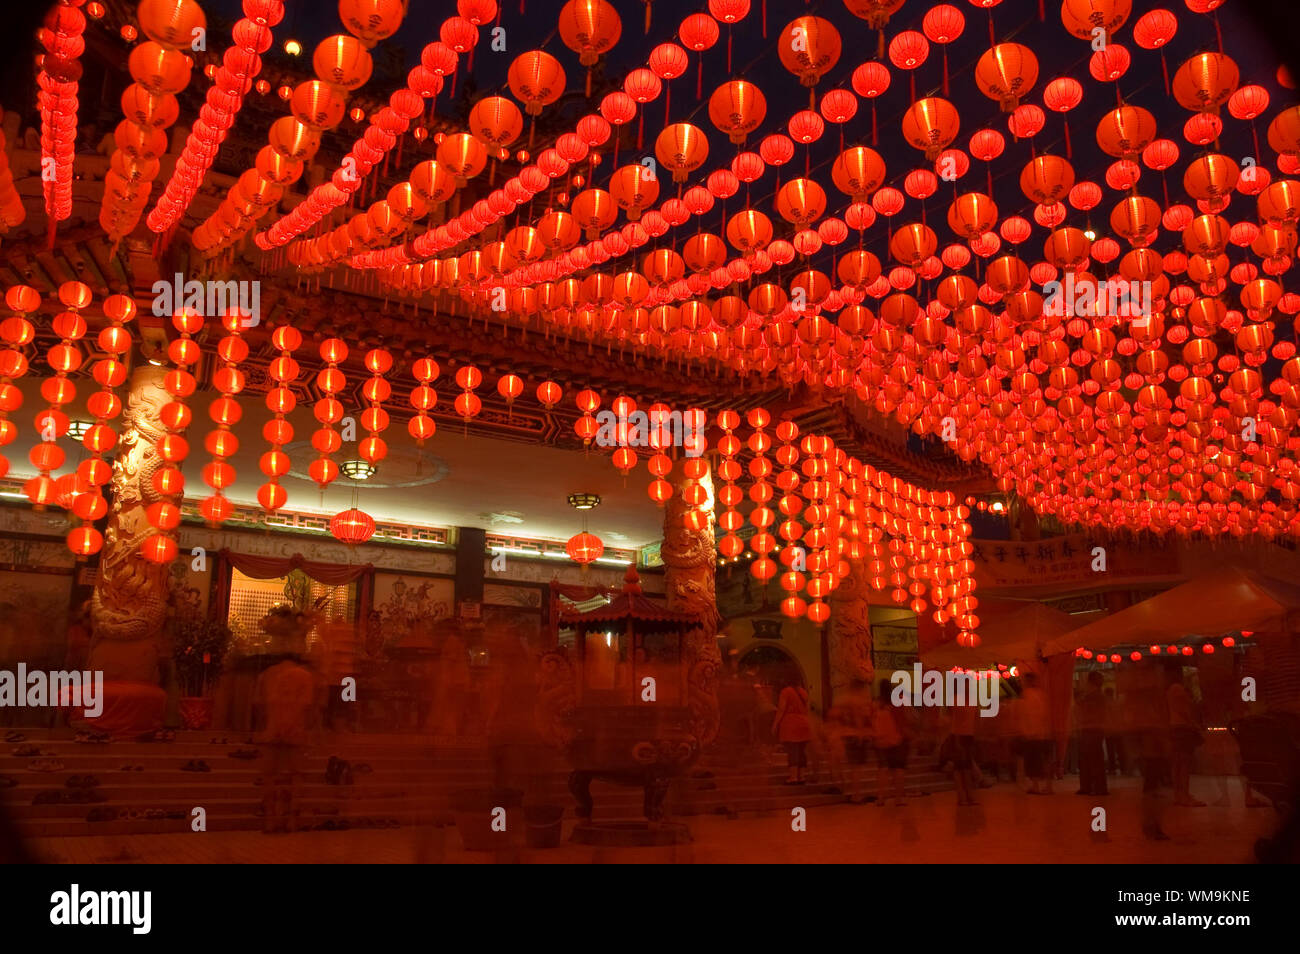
[(1070, 562)]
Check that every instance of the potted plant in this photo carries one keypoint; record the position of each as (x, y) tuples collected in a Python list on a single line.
[(200, 654)]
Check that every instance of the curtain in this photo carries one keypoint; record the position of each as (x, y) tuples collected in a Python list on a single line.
[(570, 591), (269, 568)]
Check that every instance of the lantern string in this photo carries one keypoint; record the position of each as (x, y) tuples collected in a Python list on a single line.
[(1218, 30), (945, 71)]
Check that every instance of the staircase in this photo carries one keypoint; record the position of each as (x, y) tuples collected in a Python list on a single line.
[(411, 782)]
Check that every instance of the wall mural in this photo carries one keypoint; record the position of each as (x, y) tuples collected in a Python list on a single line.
[(33, 615), (406, 611)]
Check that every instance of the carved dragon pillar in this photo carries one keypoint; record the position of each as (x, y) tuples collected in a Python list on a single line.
[(850, 630), (129, 608), (690, 558)]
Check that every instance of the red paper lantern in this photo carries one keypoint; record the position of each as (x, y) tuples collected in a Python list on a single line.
[(352, 526)]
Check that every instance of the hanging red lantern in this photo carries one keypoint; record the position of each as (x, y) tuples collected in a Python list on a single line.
[(423, 398), (352, 527), (584, 548)]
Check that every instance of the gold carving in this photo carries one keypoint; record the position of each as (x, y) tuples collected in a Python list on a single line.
[(689, 558), (850, 630), (129, 607)]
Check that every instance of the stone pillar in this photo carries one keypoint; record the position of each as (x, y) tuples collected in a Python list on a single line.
[(849, 632), (129, 608), (690, 559)]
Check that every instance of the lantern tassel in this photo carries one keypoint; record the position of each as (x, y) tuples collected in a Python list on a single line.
[(945, 72), (647, 16), (992, 36), (1068, 153), (1164, 70), (1042, 13), (728, 51), (874, 137), (640, 128), (699, 78), (765, 19)]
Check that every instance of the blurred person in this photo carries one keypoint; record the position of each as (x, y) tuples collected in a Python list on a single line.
[(1148, 721), (889, 732), (451, 683), (1036, 732), (1116, 756), (855, 735), (793, 729), (962, 729), (1090, 717), (286, 693), (78, 643), (1184, 736), (513, 740), (764, 700)]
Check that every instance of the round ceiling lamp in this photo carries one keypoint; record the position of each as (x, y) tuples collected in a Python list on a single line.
[(357, 469), (584, 501)]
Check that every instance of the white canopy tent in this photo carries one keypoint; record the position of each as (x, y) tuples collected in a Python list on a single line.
[(1210, 604), (1019, 635)]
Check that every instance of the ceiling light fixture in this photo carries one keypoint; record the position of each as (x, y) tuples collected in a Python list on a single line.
[(77, 429), (584, 501), (357, 469)]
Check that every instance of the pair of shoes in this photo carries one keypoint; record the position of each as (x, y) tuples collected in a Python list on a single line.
[(244, 754), (196, 765)]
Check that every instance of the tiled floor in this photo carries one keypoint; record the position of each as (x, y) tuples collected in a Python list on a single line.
[(1007, 826)]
